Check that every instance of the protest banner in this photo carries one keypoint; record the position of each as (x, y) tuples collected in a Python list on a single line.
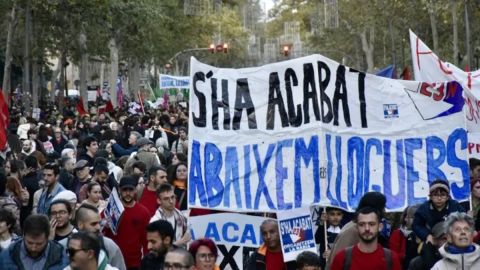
[(296, 232), (428, 67), (311, 131), (167, 81), (113, 211), (236, 236)]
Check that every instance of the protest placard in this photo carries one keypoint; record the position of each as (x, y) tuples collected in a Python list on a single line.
[(311, 131), (296, 232), (236, 236), (167, 81), (113, 211)]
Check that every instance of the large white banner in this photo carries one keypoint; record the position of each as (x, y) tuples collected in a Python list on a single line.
[(311, 131), (236, 236), (428, 67)]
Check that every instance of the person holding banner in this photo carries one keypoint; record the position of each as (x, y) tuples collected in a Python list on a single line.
[(131, 234), (368, 253), (269, 256)]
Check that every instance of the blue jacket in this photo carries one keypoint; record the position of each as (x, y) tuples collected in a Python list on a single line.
[(119, 151), (56, 258), (45, 200), (427, 216)]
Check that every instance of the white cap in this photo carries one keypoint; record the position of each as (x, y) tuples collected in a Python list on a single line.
[(66, 195)]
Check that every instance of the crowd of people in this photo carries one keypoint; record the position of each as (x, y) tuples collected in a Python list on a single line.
[(60, 170)]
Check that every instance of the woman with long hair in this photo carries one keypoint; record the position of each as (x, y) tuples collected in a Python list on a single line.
[(180, 183), (94, 196)]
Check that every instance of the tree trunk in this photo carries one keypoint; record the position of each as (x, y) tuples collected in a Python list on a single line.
[(113, 71), (134, 77), (35, 83), (53, 79), (83, 79), (26, 58), (368, 46), (453, 8), (433, 23), (468, 35), (62, 84), (8, 53)]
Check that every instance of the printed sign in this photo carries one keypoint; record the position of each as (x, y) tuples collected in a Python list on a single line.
[(167, 81), (311, 131), (113, 211), (236, 236), (296, 233)]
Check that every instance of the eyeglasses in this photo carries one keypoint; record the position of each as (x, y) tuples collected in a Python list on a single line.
[(205, 256), (61, 213), (71, 251), (174, 266)]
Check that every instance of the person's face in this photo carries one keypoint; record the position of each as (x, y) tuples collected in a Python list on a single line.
[(167, 200), (70, 164), (91, 223), (83, 173), (138, 172), (59, 212), (27, 146), (175, 261), (175, 160), (156, 244), (93, 147), (35, 244), (8, 168), (439, 197), (204, 259), (173, 119), (127, 194), (159, 178), (475, 173), (368, 227), (114, 126), (334, 217), (476, 190), (95, 194), (108, 147), (182, 172), (101, 177), (183, 134), (310, 267), (460, 234), (58, 133), (132, 139), (78, 256), (270, 235), (4, 227), (49, 177)]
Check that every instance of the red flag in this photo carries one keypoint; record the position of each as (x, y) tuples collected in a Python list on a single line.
[(4, 109), (467, 68), (406, 75), (3, 134), (109, 106), (80, 108)]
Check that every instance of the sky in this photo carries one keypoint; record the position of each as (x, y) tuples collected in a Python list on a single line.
[(268, 4)]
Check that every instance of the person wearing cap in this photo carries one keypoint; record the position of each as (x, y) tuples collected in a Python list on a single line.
[(131, 234), (434, 210), (82, 177), (51, 189), (348, 235), (429, 252), (459, 252), (119, 151), (144, 155)]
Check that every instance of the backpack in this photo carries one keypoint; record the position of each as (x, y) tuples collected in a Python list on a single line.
[(348, 258)]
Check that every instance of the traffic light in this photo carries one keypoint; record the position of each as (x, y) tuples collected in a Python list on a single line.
[(286, 50)]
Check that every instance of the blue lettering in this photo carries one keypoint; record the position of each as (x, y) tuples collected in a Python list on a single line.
[(338, 186), (459, 135), (307, 155), (249, 235), (411, 145), (262, 170), (281, 174), (212, 232), (333, 200), (225, 233), (213, 165), (435, 144), (195, 178), (231, 176), (246, 182), (355, 178), (400, 198), (371, 143)]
